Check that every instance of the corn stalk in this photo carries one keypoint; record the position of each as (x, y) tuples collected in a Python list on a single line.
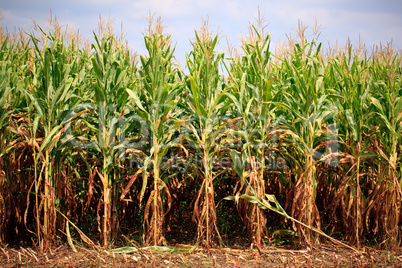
[(251, 84), (111, 68), (51, 98), (5, 111), (305, 110), (154, 103), (205, 104), (387, 113)]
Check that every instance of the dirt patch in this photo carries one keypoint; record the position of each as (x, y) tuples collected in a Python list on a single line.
[(325, 256)]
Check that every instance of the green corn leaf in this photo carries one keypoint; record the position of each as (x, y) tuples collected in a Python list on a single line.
[(50, 140), (69, 240)]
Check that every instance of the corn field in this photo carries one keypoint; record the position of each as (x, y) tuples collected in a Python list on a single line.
[(126, 145)]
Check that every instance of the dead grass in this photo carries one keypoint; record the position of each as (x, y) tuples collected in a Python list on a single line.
[(325, 256)]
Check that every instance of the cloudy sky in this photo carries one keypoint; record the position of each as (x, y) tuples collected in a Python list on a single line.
[(374, 20)]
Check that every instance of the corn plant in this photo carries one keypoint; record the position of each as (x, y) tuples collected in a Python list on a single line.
[(387, 118), (5, 110), (252, 92), (306, 106), (205, 104), (110, 72), (354, 122), (51, 97), (16, 144), (154, 103)]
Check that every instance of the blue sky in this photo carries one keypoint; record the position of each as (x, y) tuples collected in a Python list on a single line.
[(375, 21)]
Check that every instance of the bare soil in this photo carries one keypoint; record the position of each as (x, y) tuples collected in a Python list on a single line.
[(325, 256)]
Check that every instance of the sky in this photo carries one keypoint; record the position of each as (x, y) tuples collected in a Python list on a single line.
[(372, 21)]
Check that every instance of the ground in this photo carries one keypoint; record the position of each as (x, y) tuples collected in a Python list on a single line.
[(188, 256)]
